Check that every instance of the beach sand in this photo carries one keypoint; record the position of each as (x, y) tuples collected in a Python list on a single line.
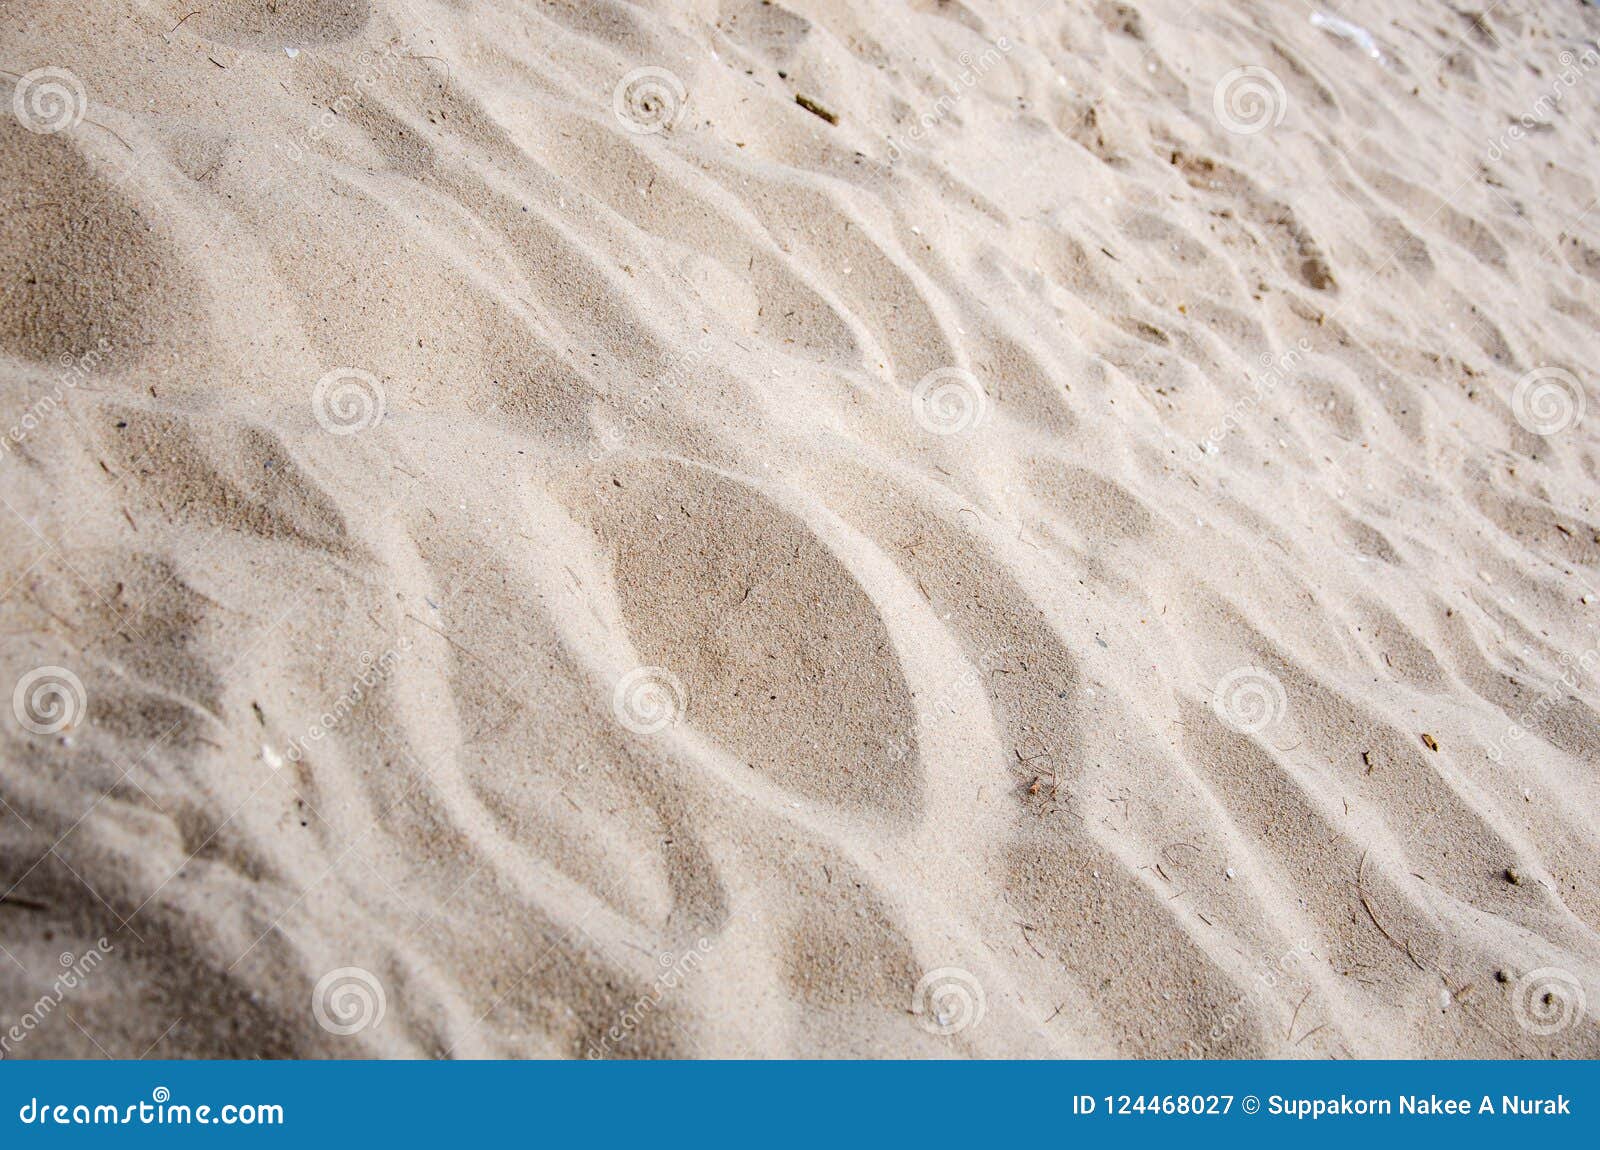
[(819, 528)]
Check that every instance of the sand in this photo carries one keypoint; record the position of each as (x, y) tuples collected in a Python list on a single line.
[(523, 536)]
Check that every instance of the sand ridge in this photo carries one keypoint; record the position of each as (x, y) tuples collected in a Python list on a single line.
[(523, 539)]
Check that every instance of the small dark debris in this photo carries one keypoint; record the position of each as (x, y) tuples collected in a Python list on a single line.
[(815, 108), (23, 903)]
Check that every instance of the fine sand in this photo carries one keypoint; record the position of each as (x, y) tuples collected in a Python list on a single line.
[(821, 528)]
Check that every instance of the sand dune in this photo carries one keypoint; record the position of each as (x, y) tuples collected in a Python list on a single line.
[(525, 537)]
